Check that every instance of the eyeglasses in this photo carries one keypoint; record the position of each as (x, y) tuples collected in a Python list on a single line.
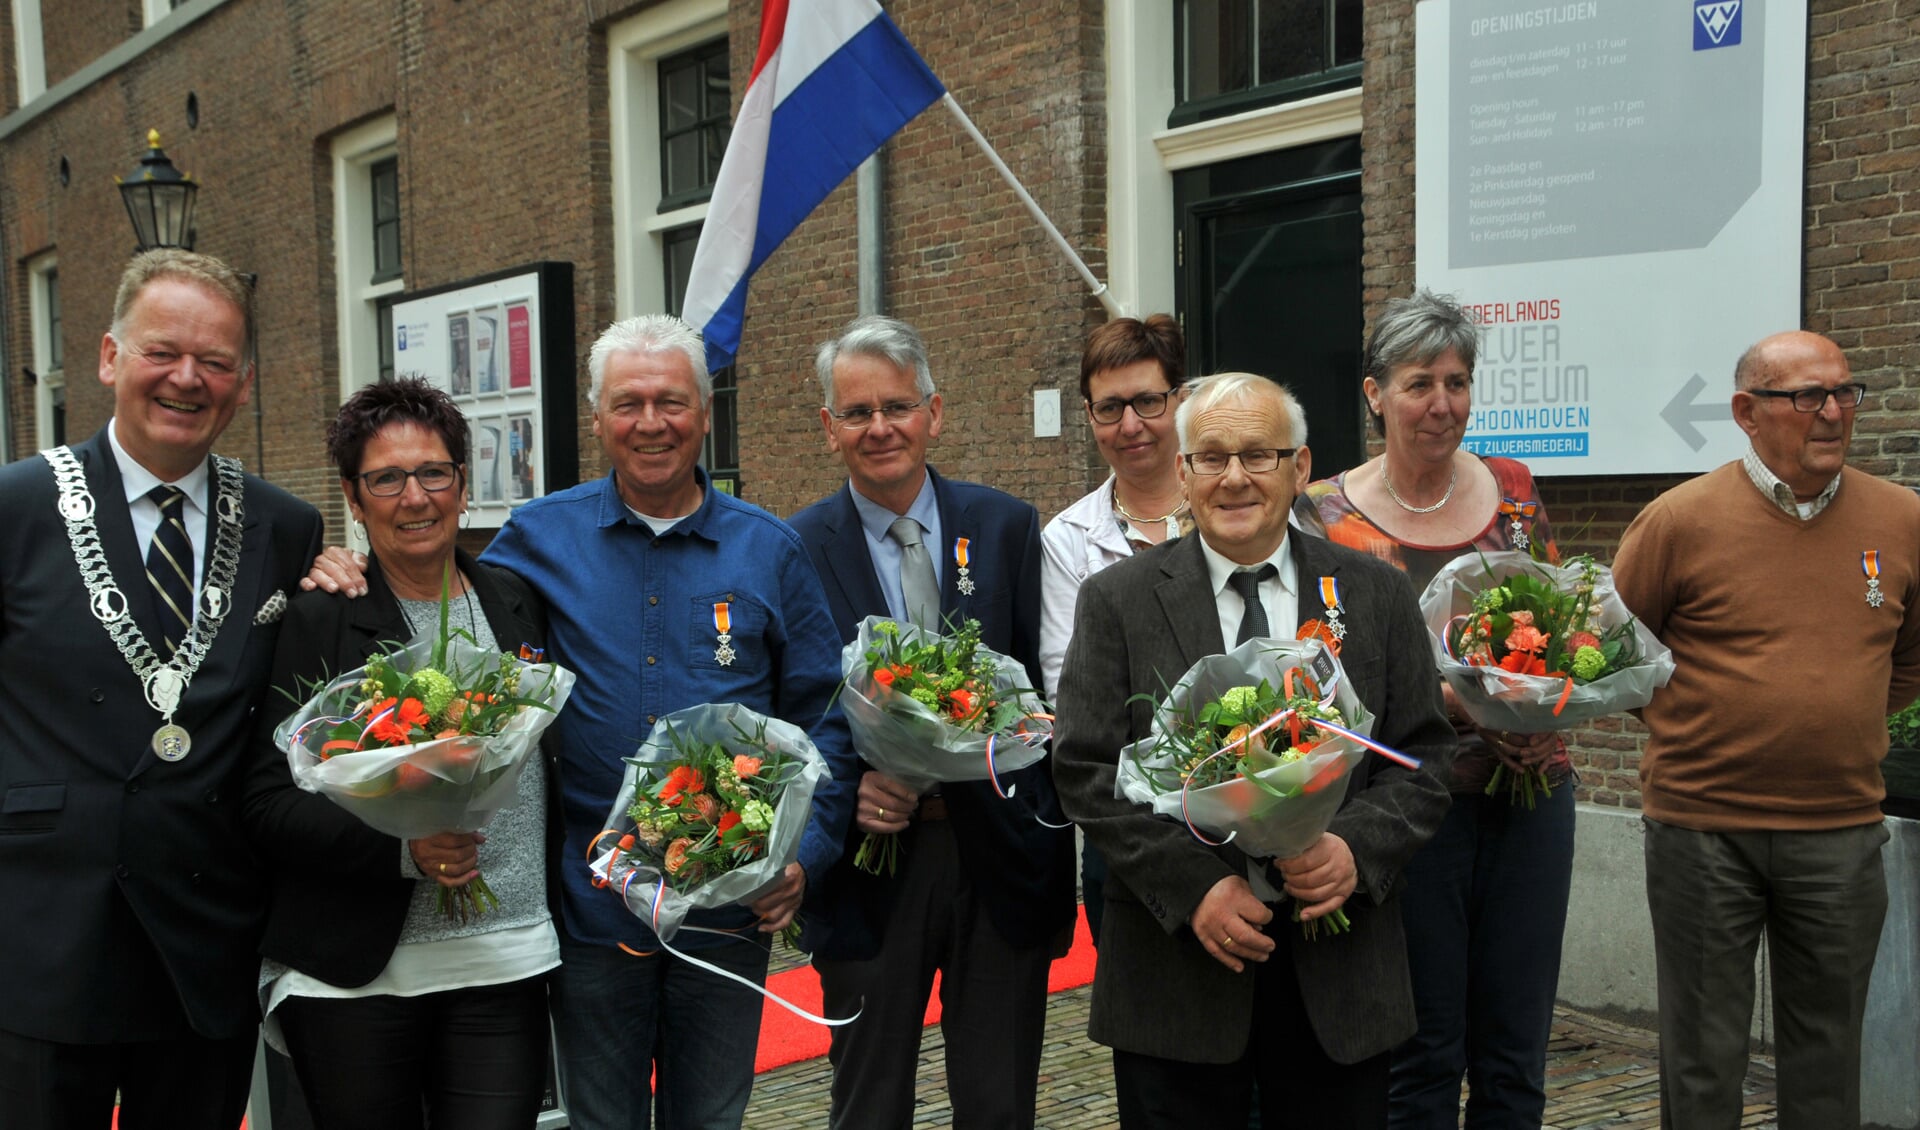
[(858, 419), (1145, 405), (389, 481), (1813, 399), (1256, 462)]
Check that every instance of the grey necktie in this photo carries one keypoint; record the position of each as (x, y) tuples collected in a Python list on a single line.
[(1253, 623), (916, 574)]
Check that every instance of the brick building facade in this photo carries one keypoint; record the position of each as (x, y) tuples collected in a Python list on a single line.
[(529, 132)]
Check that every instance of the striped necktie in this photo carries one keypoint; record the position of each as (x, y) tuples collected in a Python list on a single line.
[(170, 566)]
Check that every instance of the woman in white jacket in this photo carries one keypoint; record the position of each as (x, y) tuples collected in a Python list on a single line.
[(1130, 374)]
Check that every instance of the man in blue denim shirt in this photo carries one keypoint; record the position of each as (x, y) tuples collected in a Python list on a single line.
[(635, 569)]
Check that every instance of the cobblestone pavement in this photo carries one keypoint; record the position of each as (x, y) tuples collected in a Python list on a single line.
[(1599, 1074)]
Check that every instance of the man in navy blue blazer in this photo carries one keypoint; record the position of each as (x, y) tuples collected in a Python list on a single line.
[(984, 888)]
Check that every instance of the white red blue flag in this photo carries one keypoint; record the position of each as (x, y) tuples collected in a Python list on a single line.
[(833, 80)]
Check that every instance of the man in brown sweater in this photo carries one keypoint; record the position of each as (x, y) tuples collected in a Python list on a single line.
[(1788, 587)]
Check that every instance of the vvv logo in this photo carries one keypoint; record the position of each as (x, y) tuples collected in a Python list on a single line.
[(1716, 23)]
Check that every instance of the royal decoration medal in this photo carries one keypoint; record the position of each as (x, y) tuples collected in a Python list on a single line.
[(1515, 511), (1870, 565), (1330, 596), (722, 623), (960, 558)]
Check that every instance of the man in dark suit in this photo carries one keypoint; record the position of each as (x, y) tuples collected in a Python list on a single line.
[(1203, 989), (133, 906), (984, 889)]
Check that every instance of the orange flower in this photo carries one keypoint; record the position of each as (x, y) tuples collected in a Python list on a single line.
[(727, 821), (677, 854), (1527, 638), (683, 779), (744, 766), (962, 703), (1521, 663), (883, 676), (1521, 618), (1578, 640), (706, 806)]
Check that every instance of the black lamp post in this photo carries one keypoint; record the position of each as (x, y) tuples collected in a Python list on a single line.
[(159, 200)]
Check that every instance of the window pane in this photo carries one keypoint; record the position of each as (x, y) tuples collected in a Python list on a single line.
[(683, 167), (719, 90), (386, 251), (385, 317), (716, 149), (1217, 47), (680, 96), (1346, 31), (55, 360), (386, 190), (1293, 38), (677, 247)]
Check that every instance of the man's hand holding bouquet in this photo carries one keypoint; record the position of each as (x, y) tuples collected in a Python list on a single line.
[(927, 709), (1255, 747)]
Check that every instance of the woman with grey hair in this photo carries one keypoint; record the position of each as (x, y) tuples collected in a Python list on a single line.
[(1485, 901)]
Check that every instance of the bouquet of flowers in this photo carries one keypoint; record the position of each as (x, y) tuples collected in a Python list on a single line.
[(427, 738), (926, 709), (709, 813), (1253, 746), (1531, 647)]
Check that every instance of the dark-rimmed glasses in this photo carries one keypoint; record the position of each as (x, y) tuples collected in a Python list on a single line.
[(1256, 462), (389, 481), (1814, 398), (1145, 405), (857, 419)]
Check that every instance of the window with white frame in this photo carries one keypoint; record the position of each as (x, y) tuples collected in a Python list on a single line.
[(29, 50), (49, 361), (367, 249), (671, 114)]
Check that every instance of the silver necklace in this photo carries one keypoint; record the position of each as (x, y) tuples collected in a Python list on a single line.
[(165, 684), (1132, 517), (1404, 505)]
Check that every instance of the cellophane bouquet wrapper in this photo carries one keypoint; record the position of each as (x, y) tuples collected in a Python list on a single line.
[(1264, 825), (453, 784), (912, 743), (728, 724), (1497, 699)]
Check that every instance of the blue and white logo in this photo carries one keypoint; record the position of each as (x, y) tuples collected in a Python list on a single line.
[(1716, 23), (400, 335)]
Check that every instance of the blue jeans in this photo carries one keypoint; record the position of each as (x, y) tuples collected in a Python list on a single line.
[(1485, 906), (619, 1018)]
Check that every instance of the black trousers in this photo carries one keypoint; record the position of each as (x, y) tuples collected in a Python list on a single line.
[(184, 1083), (464, 1059), (1299, 1088)]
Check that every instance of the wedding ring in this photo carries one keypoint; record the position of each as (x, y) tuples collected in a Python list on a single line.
[(879, 813), (1226, 939), (443, 869)]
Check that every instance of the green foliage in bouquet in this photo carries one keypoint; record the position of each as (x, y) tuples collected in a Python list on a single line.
[(1526, 625), (948, 675), (710, 808), (1189, 741)]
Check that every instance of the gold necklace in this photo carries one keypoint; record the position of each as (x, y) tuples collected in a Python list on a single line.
[(1132, 517)]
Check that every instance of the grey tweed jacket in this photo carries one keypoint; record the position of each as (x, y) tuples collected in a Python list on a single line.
[(1139, 626)]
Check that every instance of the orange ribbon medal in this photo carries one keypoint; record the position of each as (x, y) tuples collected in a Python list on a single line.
[(722, 624), (961, 557), (1330, 596), (1515, 511), (1870, 565)]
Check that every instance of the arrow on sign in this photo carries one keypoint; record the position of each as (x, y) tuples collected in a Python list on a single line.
[(1681, 413)]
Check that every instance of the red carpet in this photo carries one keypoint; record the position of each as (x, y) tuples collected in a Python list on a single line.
[(785, 1038)]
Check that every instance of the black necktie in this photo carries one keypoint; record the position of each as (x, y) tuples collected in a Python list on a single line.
[(170, 566), (1253, 623)]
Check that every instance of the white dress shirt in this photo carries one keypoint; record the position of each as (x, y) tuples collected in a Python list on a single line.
[(146, 513), (1279, 595)]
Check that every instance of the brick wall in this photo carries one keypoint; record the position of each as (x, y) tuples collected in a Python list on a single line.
[(1862, 281), (74, 33), (1002, 312), (501, 111)]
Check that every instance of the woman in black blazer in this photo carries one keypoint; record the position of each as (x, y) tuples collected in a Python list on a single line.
[(395, 1014)]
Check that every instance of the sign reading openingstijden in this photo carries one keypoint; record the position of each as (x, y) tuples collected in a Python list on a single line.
[(1613, 188)]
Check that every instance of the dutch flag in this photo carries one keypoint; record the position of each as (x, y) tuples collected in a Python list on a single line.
[(833, 80)]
